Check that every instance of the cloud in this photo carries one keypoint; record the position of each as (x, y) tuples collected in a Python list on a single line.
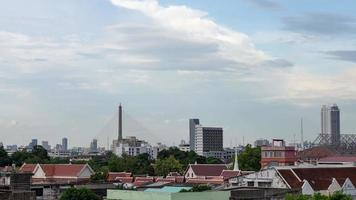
[(345, 55), (320, 23), (187, 36), (303, 88), (265, 4)]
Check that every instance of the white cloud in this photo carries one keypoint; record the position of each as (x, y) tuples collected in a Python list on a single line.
[(190, 25)]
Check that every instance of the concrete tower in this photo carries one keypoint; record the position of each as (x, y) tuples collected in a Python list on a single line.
[(120, 124)]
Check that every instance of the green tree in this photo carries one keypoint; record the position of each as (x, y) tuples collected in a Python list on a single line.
[(163, 166), (79, 194), (19, 157), (250, 158), (5, 160), (318, 196), (197, 188), (212, 160)]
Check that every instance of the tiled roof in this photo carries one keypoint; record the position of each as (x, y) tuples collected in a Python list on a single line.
[(339, 159), (226, 174), (290, 178), (113, 176), (62, 169), (318, 177), (65, 170), (208, 169), (216, 180), (316, 153), (27, 168)]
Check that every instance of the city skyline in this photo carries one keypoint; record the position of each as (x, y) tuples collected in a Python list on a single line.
[(254, 69)]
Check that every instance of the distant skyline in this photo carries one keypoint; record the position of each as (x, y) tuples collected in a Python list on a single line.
[(253, 67)]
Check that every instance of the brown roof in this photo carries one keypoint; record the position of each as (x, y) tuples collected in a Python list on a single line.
[(319, 177), (208, 169), (339, 159), (316, 153), (290, 178), (215, 180), (227, 174)]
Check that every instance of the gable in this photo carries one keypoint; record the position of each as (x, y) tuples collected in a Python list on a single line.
[(85, 173)]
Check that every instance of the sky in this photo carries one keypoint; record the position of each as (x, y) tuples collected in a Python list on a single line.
[(253, 67)]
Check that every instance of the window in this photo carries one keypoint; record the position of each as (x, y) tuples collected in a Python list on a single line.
[(250, 183)]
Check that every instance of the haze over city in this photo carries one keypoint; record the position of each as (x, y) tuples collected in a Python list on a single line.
[(253, 67)]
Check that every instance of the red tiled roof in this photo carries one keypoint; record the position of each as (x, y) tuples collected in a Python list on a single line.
[(290, 178), (227, 174), (27, 168), (65, 170), (208, 169), (216, 180), (316, 153), (62, 169), (112, 176), (319, 178), (339, 159)]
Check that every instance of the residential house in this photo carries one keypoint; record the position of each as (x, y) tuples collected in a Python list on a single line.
[(324, 180), (58, 173)]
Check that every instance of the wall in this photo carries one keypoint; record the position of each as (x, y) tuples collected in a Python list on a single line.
[(221, 195), (133, 195)]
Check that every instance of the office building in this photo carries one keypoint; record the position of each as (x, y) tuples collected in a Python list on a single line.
[(94, 145), (192, 124), (208, 139), (34, 142), (46, 146), (330, 123), (65, 144)]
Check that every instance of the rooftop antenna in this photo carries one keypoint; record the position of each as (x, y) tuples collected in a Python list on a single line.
[(301, 134)]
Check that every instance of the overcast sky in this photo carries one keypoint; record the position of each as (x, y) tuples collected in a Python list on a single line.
[(254, 67)]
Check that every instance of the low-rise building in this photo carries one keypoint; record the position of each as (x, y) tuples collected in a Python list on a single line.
[(166, 193), (310, 180), (278, 154), (58, 173)]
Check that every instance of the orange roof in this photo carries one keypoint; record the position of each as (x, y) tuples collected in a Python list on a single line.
[(27, 168), (67, 170)]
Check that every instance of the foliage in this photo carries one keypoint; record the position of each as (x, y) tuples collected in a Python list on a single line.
[(141, 164), (37, 155), (186, 158), (197, 188), (81, 193), (59, 160), (163, 166), (318, 196), (250, 158), (5, 160)]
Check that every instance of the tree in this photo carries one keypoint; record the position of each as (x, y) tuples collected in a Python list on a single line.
[(163, 166), (5, 160), (318, 196), (81, 193), (250, 158), (197, 188), (19, 157)]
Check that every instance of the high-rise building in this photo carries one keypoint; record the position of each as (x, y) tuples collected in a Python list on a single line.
[(208, 139), (330, 123), (94, 145), (46, 146), (33, 143), (192, 124), (65, 144)]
